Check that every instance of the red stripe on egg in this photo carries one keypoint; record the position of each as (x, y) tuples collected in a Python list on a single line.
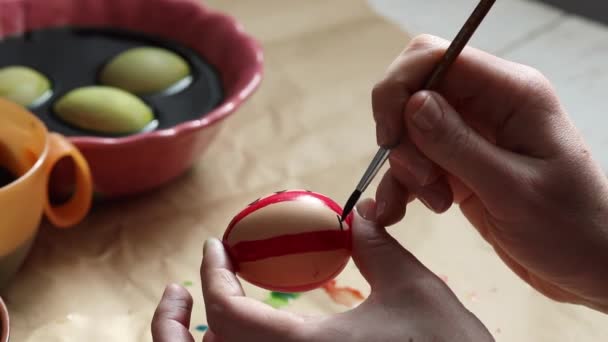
[(317, 241)]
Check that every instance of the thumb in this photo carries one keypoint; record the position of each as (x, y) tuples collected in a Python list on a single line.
[(384, 263), (440, 133), (171, 319)]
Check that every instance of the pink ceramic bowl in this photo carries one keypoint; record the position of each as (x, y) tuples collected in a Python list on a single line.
[(133, 164), (4, 322)]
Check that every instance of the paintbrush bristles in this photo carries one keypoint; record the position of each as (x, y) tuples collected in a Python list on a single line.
[(350, 204)]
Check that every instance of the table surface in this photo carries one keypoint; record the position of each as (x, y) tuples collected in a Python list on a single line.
[(308, 126)]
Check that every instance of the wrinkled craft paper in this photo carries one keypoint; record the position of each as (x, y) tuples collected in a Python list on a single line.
[(309, 126)]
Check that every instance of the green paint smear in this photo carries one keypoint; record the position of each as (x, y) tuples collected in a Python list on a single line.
[(284, 295), (202, 327), (187, 283), (280, 299), (276, 302)]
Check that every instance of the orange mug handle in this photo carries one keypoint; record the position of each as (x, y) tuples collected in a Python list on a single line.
[(77, 207)]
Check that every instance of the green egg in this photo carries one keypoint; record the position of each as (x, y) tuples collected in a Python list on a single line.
[(23, 85), (145, 70), (104, 109)]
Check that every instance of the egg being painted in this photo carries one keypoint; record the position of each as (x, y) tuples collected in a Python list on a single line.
[(290, 241)]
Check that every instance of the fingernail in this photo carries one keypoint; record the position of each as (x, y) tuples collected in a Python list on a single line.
[(427, 116), (383, 134), (170, 289), (212, 243), (380, 209), (433, 200), (206, 246), (367, 209), (425, 202)]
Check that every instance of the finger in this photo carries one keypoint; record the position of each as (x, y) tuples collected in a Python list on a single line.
[(231, 315), (388, 100), (172, 316), (407, 159), (460, 191), (217, 272), (437, 196), (420, 176), (440, 133), (385, 264), (210, 336), (392, 199)]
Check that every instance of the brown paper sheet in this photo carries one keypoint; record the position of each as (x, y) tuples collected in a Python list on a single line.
[(309, 126)]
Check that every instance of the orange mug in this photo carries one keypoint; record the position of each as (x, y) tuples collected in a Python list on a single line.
[(28, 153)]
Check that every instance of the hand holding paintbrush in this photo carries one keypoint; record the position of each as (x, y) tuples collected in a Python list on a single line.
[(435, 78)]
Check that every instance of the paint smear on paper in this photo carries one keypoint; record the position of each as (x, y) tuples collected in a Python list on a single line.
[(187, 283), (343, 295), (280, 299), (202, 328), (444, 278), (284, 295), (473, 297)]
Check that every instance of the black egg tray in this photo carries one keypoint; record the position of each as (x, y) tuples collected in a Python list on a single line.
[(72, 57)]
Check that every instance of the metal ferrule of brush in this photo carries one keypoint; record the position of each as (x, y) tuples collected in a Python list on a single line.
[(373, 168)]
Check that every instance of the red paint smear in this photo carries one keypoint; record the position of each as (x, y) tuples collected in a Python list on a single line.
[(292, 195), (343, 295), (444, 278), (317, 241)]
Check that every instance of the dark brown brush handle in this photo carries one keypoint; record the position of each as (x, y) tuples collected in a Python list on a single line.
[(461, 40)]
